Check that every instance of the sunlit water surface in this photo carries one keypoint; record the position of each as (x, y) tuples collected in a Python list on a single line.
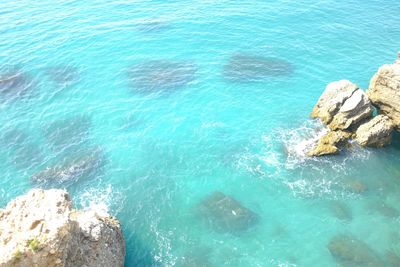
[(167, 102)]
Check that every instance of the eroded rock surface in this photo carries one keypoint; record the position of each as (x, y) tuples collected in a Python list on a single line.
[(42, 229), (384, 91), (329, 143), (377, 132), (342, 105)]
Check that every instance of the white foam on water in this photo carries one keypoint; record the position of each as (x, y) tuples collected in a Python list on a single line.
[(98, 200)]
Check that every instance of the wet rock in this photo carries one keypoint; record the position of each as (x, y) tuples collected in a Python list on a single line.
[(68, 132), (384, 91), (342, 105), (41, 229), (392, 259), (329, 143), (377, 132), (252, 68), (87, 165), (341, 211), (226, 214), (63, 75), (14, 84), (161, 76), (349, 251)]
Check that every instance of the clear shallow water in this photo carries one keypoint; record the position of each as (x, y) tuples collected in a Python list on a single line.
[(160, 145)]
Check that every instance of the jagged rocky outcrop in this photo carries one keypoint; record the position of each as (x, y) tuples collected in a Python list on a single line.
[(330, 143), (42, 229), (377, 132), (384, 91), (342, 105), (348, 112)]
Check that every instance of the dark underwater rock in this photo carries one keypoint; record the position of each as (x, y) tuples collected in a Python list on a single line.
[(354, 186), (161, 76), (341, 211), (63, 74), (349, 251), (244, 67), (14, 84), (84, 165), (226, 214), (68, 132)]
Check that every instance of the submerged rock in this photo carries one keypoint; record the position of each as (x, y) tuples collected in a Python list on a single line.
[(14, 84), (342, 105), (83, 165), (377, 132), (329, 143), (161, 75), (341, 211), (384, 91), (41, 229), (250, 68), (68, 132), (388, 211), (226, 214), (349, 251), (354, 186)]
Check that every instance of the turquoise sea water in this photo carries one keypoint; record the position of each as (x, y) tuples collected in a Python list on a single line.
[(154, 96)]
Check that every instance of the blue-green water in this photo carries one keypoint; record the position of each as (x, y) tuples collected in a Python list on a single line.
[(165, 141)]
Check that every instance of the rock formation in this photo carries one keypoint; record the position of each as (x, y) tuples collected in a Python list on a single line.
[(377, 132), (329, 143), (42, 229), (348, 112), (342, 105), (384, 91)]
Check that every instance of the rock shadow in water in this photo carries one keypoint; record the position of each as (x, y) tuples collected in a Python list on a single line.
[(225, 214), (243, 67), (68, 132), (63, 75), (161, 76), (341, 211), (15, 84), (349, 251), (87, 164), (24, 151)]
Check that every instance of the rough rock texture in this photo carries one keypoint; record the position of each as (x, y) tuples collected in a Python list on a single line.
[(328, 144), (342, 105), (349, 251), (41, 229), (377, 132), (384, 91)]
